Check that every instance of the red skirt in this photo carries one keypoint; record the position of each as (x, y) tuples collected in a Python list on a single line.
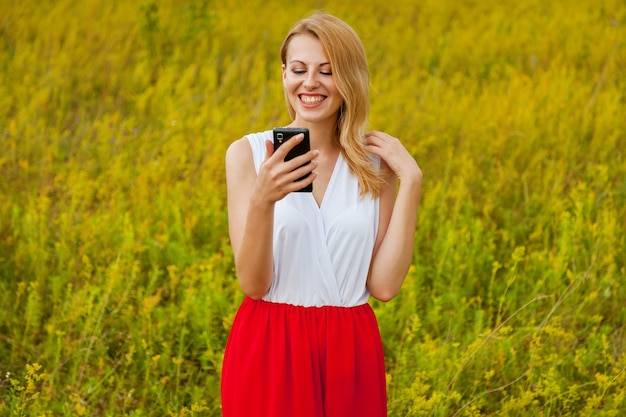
[(289, 361)]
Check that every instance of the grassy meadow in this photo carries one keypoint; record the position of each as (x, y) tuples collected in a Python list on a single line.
[(117, 283)]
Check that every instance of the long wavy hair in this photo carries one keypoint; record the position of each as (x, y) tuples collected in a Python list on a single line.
[(349, 65)]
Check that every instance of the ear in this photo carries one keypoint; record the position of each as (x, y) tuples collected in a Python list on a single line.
[(284, 70)]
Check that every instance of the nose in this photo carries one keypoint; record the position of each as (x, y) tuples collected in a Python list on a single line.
[(311, 80)]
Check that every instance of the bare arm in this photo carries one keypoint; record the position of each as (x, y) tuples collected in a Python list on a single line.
[(251, 200), (393, 251)]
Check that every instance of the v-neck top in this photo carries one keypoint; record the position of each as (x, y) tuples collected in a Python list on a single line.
[(322, 253)]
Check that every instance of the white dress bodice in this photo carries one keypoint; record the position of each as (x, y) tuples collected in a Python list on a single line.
[(322, 254)]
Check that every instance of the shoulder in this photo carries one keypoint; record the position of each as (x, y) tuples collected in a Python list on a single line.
[(239, 164), (389, 182), (258, 138), (375, 160), (385, 172), (247, 144), (238, 150), (250, 150)]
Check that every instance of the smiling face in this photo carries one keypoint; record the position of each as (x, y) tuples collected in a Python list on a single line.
[(308, 82)]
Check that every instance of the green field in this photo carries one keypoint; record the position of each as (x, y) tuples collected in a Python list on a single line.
[(117, 283)]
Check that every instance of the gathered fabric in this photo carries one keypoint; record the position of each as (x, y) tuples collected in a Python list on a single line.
[(283, 360)]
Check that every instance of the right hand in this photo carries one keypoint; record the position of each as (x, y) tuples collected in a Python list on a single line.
[(277, 177)]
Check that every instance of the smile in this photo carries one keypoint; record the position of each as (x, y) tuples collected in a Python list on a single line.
[(311, 99)]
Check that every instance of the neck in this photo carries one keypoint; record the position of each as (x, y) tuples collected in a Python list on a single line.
[(322, 135)]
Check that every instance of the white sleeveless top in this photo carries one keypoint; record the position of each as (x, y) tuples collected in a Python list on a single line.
[(322, 253)]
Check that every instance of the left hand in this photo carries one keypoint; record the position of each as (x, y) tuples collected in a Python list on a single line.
[(394, 154)]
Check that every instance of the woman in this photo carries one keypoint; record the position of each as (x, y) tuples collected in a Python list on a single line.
[(305, 341)]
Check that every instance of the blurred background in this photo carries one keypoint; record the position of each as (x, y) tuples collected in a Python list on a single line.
[(117, 283)]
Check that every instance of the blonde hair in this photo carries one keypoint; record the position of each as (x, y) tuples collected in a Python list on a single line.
[(349, 65)]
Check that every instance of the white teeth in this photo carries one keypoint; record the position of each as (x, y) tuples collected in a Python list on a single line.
[(311, 99)]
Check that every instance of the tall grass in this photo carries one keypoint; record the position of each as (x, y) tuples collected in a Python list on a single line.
[(117, 284)]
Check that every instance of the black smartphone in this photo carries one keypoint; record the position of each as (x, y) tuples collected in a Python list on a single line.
[(282, 135)]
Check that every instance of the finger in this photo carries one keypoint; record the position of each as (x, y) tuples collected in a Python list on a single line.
[(376, 134), (375, 138), (375, 150), (269, 149), (296, 179), (302, 160), (289, 144), (302, 169), (374, 142), (302, 181)]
